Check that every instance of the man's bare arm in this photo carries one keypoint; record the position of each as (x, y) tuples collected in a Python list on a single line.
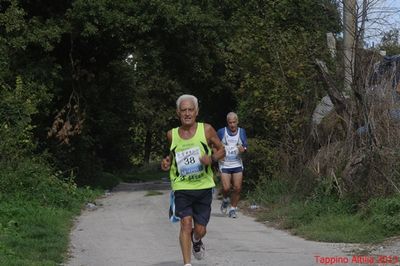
[(215, 143)]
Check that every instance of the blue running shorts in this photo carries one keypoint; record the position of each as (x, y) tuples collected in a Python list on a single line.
[(232, 170), (195, 203)]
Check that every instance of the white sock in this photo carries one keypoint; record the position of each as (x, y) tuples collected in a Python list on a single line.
[(194, 239), (187, 264)]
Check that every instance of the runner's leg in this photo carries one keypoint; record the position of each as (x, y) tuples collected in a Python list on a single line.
[(199, 231), (237, 188), (185, 238), (226, 184)]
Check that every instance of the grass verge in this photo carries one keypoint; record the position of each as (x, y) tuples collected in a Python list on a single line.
[(326, 218), (32, 233)]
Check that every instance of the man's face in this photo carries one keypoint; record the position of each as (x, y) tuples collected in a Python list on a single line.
[(232, 124), (187, 113)]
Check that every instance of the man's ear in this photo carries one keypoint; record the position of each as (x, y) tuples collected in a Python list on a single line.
[(177, 113)]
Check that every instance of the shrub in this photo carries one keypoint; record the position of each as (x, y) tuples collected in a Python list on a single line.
[(33, 179), (386, 213), (106, 180), (260, 162)]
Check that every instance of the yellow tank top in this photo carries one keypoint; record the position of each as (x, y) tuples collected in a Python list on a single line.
[(186, 170)]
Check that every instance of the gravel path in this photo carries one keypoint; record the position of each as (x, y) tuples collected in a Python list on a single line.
[(130, 227)]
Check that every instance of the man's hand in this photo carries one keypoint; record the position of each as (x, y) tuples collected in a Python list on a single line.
[(206, 160), (166, 163), (241, 149)]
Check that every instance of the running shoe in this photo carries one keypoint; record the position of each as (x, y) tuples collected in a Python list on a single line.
[(232, 214), (199, 250), (224, 206)]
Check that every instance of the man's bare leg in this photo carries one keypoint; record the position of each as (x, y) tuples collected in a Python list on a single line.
[(237, 188), (185, 238), (226, 180), (199, 231)]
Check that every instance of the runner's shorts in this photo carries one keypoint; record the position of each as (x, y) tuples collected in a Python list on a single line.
[(195, 203), (232, 170)]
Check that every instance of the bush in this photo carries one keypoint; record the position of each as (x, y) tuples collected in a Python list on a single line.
[(386, 213), (260, 162), (269, 191), (106, 180), (34, 179)]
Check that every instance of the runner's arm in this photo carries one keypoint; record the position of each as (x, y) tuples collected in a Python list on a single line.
[(243, 138), (215, 143)]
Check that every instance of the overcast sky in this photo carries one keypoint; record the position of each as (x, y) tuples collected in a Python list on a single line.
[(383, 15)]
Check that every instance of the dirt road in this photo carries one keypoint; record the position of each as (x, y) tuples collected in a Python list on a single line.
[(130, 227)]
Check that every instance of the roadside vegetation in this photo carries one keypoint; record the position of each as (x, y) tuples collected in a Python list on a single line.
[(326, 218), (88, 90), (37, 211)]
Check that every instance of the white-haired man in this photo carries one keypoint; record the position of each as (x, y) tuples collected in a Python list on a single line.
[(193, 148), (231, 167)]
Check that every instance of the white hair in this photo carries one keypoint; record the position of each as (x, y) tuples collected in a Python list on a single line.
[(232, 115), (187, 97)]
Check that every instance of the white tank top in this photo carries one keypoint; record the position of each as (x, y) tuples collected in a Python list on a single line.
[(232, 157)]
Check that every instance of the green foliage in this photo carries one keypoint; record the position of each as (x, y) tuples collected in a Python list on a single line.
[(33, 179), (306, 212), (385, 212), (106, 180), (272, 57), (16, 108), (341, 228), (269, 191), (323, 218), (390, 42), (35, 233), (146, 172), (27, 231), (261, 162)]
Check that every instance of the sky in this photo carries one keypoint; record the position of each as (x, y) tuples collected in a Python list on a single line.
[(383, 15)]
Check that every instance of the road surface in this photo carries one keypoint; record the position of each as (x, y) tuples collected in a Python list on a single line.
[(131, 228)]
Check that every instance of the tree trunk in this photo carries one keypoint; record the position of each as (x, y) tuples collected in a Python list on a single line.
[(349, 18)]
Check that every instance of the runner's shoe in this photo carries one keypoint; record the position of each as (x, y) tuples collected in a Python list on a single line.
[(198, 250), (224, 206), (232, 214)]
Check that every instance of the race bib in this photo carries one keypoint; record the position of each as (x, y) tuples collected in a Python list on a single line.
[(188, 162), (231, 153)]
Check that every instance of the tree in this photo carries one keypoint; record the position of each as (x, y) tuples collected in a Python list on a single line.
[(390, 42)]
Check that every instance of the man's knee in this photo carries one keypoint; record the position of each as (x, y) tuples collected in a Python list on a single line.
[(200, 230), (237, 189), (226, 189), (186, 224)]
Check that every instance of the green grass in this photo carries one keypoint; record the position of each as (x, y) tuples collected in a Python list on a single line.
[(327, 218), (33, 234), (153, 193), (341, 228), (319, 222)]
